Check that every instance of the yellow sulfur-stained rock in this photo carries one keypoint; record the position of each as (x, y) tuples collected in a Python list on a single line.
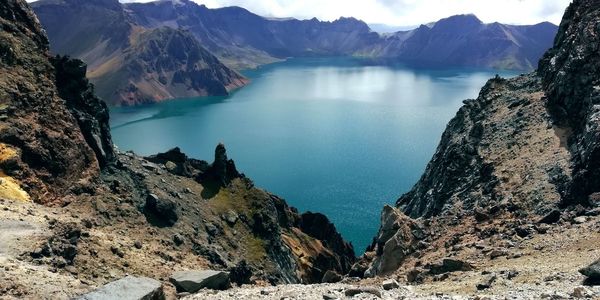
[(10, 189)]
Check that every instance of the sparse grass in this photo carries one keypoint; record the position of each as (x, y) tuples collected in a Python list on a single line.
[(255, 248)]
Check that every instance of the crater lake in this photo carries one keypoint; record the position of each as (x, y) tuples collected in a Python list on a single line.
[(340, 136)]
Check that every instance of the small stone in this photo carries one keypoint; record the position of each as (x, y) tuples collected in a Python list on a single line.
[(481, 216), (230, 217), (170, 166), (137, 245), (450, 265), (37, 253), (330, 297), (487, 282), (580, 220), (331, 277), (498, 253), (390, 284), (512, 274), (581, 292), (551, 218), (117, 251), (211, 229), (414, 275), (178, 239), (542, 228), (362, 290)]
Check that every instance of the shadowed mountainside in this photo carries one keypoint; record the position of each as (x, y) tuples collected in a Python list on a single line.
[(129, 64)]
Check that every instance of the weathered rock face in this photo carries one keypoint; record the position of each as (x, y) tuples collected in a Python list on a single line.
[(298, 247), (526, 148), (163, 63), (130, 65), (319, 227), (396, 240), (572, 84), (90, 112), (500, 150), (48, 143)]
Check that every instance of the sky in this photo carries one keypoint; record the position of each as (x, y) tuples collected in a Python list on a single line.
[(403, 12)]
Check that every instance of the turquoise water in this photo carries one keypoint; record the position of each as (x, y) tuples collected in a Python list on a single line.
[(337, 136)]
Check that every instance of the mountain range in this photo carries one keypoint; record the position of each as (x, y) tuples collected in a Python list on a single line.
[(110, 39)]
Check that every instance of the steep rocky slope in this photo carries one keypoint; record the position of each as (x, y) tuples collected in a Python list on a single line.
[(77, 214), (50, 137), (130, 65), (570, 78), (161, 64), (522, 154)]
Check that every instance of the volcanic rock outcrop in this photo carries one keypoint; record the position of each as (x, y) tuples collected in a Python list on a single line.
[(54, 136)]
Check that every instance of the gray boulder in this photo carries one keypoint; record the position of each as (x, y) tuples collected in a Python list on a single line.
[(397, 239), (193, 281), (128, 288), (390, 284)]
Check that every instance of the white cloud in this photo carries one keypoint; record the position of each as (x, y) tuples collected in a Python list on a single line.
[(403, 12)]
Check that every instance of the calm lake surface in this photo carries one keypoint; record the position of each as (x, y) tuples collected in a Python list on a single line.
[(336, 136)]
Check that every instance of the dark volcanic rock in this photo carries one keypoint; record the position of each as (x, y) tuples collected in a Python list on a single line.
[(570, 77), (160, 211), (240, 274), (449, 265), (193, 281), (592, 272), (318, 226), (48, 142), (222, 171), (551, 218), (331, 277), (184, 166), (90, 112)]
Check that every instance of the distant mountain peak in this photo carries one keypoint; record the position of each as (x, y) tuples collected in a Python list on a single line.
[(459, 20)]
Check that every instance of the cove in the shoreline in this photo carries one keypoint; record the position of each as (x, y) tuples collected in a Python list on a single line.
[(333, 135)]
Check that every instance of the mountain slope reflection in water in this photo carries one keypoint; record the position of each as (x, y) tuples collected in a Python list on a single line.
[(337, 136)]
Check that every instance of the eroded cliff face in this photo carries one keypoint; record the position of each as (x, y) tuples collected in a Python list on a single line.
[(571, 78), (46, 135), (526, 148), (100, 214), (128, 64)]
